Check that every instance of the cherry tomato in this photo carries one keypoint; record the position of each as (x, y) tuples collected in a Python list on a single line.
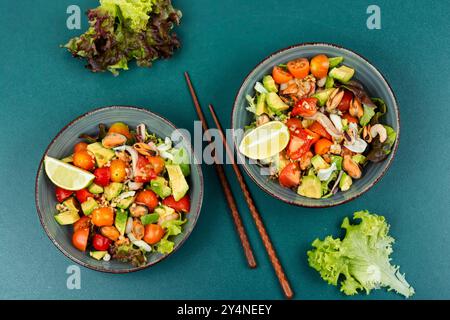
[(320, 66), (299, 67), (82, 195), (102, 176), (80, 146), (83, 223), (147, 198), (84, 160), (118, 170), (100, 242), (298, 145), (312, 136), (305, 107), (322, 146), (290, 175), (347, 98), (103, 217), (183, 205), (280, 75), (153, 233), (349, 118), (62, 194), (294, 124), (157, 164), (121, 128), (144, 172), (319, 129), (80, 239)]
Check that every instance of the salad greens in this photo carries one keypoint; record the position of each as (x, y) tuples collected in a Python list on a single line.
[(362, 257), (123, 30)]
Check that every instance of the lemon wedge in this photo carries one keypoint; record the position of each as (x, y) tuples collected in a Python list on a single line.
[(67, 176), (265, 141)]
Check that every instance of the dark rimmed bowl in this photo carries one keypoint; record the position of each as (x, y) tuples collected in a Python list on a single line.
[(376, 85), (62, 146)]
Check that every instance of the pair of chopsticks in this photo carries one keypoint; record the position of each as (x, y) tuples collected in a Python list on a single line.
[(278, 268)]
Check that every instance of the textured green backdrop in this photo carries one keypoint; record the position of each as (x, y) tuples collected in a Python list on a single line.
[(42, 88)]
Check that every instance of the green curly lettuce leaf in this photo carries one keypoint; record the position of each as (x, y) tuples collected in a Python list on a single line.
[(124, 30), (361, 259)]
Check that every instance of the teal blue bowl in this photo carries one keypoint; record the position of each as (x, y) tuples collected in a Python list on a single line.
[(62, 145), (371, 78)]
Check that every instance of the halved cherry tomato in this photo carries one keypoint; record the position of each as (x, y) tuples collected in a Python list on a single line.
[(305, 107), (344, 105), (280, 75), (102, 176), (319, 129), (83, 223), (153, 233), (183, 205), (299, 67), (80, 146), (156, 163), (320, 66), (349, 118), (80, 239), (294, 124), (298, 145), (103, 217), (84, 160), (144, 172), (62, 194), (118, 170), (121, 128), (82, 195), (100, 242), (322, 146), (290, 175), (312, 136), (147, 198)]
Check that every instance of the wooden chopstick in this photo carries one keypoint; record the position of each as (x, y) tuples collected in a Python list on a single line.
[(242, 233), (255, 214)]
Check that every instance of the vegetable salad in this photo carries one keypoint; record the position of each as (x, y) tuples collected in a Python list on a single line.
[(334, 127), (136, 200)]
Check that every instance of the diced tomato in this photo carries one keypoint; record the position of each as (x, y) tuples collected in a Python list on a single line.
[(82, 195), (144, 172), (183, 205), (103, 217), (80, 239), (80, 146), (290, 175), (344, 105), (320, 130), (102, 176), (349, 118), (312, 136), (83, 223), (62, 194), (305, 107), (147, 198), (298, 145), (157, 164), (153, 233), (100, 242), (294, 124), (322, 146)]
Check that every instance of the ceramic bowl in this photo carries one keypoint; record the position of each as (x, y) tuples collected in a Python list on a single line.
[(374, 82), (62, 146)]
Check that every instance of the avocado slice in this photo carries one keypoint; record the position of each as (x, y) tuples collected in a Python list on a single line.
[(150, 218), (323, 96), (67, 217), (261, 104), (275, 103), (329, 83), (269, 84), (335, 61), (98, 255), (318, 162), (113, 190), (95, 188), (121, 220), (177, 181), (125, 203), (346, 182), (102, 155), (71, 204), (88, 206), (310, 187), (160, 187), (342, 74), (359, 159)]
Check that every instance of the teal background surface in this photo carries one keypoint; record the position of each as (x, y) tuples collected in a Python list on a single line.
[(42, 88)]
